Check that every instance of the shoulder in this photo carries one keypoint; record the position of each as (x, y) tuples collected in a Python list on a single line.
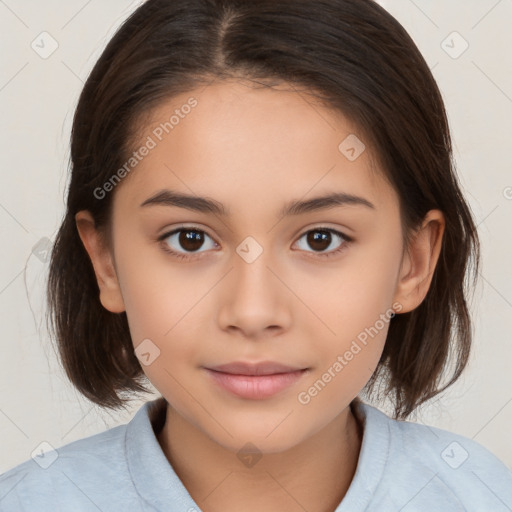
[(427, 463), (79, 476)]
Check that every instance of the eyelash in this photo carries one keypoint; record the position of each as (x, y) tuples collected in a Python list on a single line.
[(186, 256)]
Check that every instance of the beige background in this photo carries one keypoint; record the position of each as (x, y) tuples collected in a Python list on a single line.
[(37, 98)]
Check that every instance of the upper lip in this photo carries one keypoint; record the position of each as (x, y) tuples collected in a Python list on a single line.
[(262, 368)]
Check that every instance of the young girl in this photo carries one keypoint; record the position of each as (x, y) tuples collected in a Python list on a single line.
[(263, 220)]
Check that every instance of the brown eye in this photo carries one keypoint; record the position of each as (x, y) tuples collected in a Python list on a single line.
[(320, 240), (187, 240), (191, 240)]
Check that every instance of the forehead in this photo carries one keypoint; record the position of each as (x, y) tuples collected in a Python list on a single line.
[(236, 143)]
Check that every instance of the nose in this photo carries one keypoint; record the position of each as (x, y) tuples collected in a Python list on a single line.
[(254, 301)]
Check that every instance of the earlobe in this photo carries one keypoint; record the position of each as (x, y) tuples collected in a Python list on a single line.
[(419, 262), (101, 259)]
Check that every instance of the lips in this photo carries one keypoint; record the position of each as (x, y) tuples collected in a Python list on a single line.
[(263, 368), (255, 381)]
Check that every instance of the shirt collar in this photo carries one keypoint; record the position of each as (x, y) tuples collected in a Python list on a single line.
[(153, 476), (158, 484), (372, 460)]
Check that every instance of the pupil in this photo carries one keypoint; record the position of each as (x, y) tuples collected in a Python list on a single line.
[(191, 240), (319, 240)]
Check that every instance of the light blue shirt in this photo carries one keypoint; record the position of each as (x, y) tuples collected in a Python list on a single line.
[(402, 466)]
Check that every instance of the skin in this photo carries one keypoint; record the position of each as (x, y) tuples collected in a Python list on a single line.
[(255, 150)]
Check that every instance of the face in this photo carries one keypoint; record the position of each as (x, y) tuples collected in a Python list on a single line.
[(203, 286)]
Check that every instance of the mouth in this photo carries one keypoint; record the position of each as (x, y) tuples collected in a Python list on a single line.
[(251, 369), (255, 381)]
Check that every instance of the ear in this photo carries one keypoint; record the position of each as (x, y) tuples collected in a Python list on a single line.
[(101, 258), (419, 262)]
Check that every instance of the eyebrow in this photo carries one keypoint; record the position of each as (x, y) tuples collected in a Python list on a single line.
[(295, 207)]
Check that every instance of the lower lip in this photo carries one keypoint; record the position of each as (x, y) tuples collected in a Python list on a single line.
[(255, 387)]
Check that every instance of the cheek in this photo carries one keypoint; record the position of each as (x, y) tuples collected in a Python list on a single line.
[(353, 297), (162, 324), (160, 307), (356, 305), (158, 294), (348, 358)]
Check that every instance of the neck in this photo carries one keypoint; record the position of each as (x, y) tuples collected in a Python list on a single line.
[(314, 475)]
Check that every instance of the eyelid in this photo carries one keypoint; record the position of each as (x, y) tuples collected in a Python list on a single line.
[(342, 230), (182, 227), (335, 231)]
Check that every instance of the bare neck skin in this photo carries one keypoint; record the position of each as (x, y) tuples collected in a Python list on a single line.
[(312, 476)]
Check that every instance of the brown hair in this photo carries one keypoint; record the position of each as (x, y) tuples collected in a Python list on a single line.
[(357, 59)]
